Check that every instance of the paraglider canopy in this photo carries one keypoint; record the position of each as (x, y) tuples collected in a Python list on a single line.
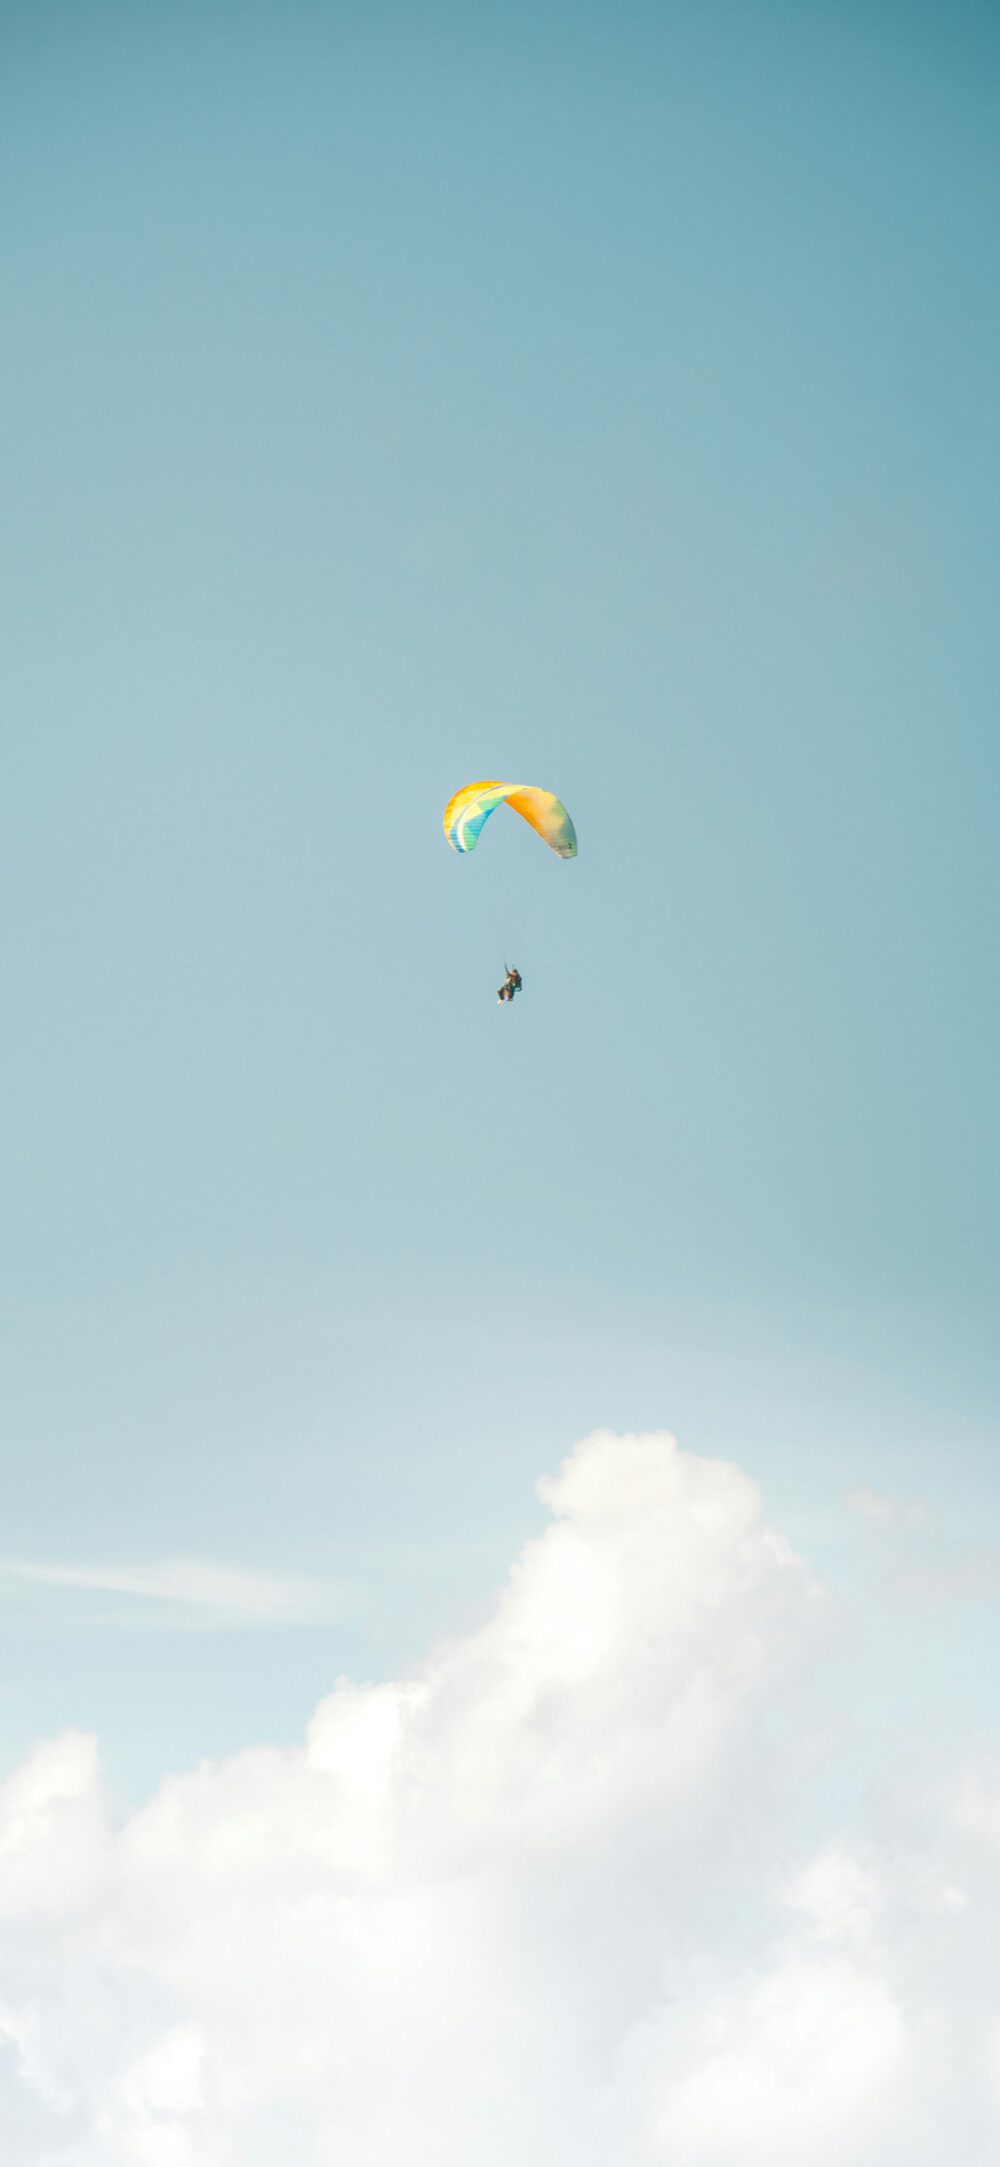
[(467, 812)]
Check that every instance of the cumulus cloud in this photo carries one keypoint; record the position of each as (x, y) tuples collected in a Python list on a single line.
[(791, 2068), (552, 1899)]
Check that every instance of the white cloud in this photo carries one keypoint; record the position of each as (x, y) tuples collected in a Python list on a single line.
[(786, 2070), (542, 1902), (967, 1572), (152, 2109), (976, 1805), (865, 1503), (868, 1504), (840, 1890), (51, 1827)]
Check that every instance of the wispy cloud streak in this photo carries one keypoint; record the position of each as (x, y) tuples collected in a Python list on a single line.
[(192, 1583)]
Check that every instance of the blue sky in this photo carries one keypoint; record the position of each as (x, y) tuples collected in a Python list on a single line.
[(604, 398)]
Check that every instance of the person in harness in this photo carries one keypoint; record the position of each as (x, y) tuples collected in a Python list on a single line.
[(511, 985)]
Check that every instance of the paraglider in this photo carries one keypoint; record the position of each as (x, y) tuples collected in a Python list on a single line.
[(466, 814)]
